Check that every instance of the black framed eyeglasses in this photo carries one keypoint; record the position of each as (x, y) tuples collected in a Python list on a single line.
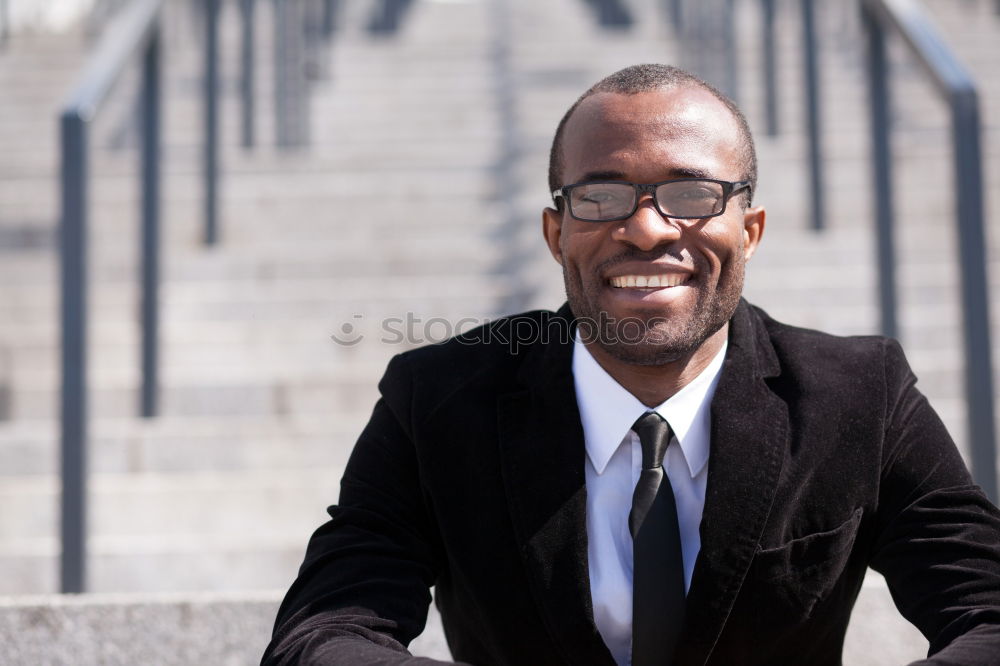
[(681, 198)]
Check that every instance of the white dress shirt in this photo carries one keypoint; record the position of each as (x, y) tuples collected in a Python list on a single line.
[(614, 457)]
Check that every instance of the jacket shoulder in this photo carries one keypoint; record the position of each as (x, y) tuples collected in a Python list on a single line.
[(486, 358), (810, 363), (797, 346)]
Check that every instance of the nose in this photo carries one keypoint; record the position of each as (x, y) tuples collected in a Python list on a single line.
[(647, 228)]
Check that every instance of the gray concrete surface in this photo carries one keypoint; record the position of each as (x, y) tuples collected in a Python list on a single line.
[(232, 629)]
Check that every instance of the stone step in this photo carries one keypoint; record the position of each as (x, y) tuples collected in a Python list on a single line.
[(275, 298), (276, 397), (169, 444), (160, 565), (160, 507), (231, 628)]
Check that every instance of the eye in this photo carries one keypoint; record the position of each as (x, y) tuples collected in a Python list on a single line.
[(697, 193), (598, 195)]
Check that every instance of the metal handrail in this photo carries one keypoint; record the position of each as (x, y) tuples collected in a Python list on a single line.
[(907, 19), (135, 31), (697, 22)]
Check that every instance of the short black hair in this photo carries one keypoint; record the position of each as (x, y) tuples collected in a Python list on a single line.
[(647, 78)]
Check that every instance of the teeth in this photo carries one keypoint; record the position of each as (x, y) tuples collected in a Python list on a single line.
[(646, 281)]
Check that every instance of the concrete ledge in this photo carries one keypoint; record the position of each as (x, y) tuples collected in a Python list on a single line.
[(230, 629), (132, 629)]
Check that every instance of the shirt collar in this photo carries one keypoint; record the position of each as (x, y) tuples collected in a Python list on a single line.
[(608, 410)]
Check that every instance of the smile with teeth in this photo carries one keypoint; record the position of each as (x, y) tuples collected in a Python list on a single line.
[(656, 281)]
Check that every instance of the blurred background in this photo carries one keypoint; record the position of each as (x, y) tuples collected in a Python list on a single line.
[(220, 218)]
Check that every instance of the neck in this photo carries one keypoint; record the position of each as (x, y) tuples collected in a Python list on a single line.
[(654, 384)]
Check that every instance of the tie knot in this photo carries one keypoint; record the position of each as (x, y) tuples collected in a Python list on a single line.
[(654, 437)]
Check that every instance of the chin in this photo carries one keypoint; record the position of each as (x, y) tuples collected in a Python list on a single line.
[(656, 336), (654, 348)]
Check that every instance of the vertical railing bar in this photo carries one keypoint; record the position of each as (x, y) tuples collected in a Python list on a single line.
[(329, 17), (211, 153), (291, 106), (387, 18), (247, 78), (693, 48), (728, 21), (770, 69), (4, 22), (281, 82), (881, 171), (73, 326), (677, 15), (150, 224), (137, 29), (959, 89), (811, 72), (302, 56), (311, 23), (975, 300)]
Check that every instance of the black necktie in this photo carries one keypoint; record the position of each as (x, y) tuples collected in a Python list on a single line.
[(658, 572)]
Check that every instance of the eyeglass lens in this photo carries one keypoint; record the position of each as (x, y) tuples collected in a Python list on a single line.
[(682, 199)]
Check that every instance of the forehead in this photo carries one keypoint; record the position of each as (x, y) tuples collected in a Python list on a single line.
[(650, 136)]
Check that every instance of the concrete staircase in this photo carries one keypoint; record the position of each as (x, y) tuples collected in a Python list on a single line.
[(415, 211)]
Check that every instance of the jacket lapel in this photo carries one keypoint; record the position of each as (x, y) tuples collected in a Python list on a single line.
[(749, 440), (540, 433)]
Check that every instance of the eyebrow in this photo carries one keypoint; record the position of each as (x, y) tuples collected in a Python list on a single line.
[(676, 172)]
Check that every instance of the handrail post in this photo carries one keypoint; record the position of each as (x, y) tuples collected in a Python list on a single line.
[(975, 301), (247, 69), (728, 21), (73, 287), (770, 73), (676, 11), (135, 30), (958, 88), (291, 119), (329, 17), (150, 224), (4, 22), (281, 82), (811, 71), (211, 165), (881, 170)]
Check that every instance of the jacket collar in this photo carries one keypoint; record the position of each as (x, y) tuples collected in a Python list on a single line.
[(540, 431)]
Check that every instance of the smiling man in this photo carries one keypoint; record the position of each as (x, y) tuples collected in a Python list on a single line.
[(658, 473)]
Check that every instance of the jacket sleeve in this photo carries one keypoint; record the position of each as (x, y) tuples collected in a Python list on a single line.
[(363, 590), (938, 544)]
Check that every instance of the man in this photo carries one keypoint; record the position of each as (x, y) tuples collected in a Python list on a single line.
[(658, 473)]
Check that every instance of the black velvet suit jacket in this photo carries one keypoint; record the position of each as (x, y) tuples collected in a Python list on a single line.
[(825, 460)]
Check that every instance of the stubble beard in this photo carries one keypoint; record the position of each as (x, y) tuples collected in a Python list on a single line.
[(654, 341)]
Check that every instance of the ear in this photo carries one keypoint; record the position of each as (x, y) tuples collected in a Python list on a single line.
[(753, 229), (552, 230)]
